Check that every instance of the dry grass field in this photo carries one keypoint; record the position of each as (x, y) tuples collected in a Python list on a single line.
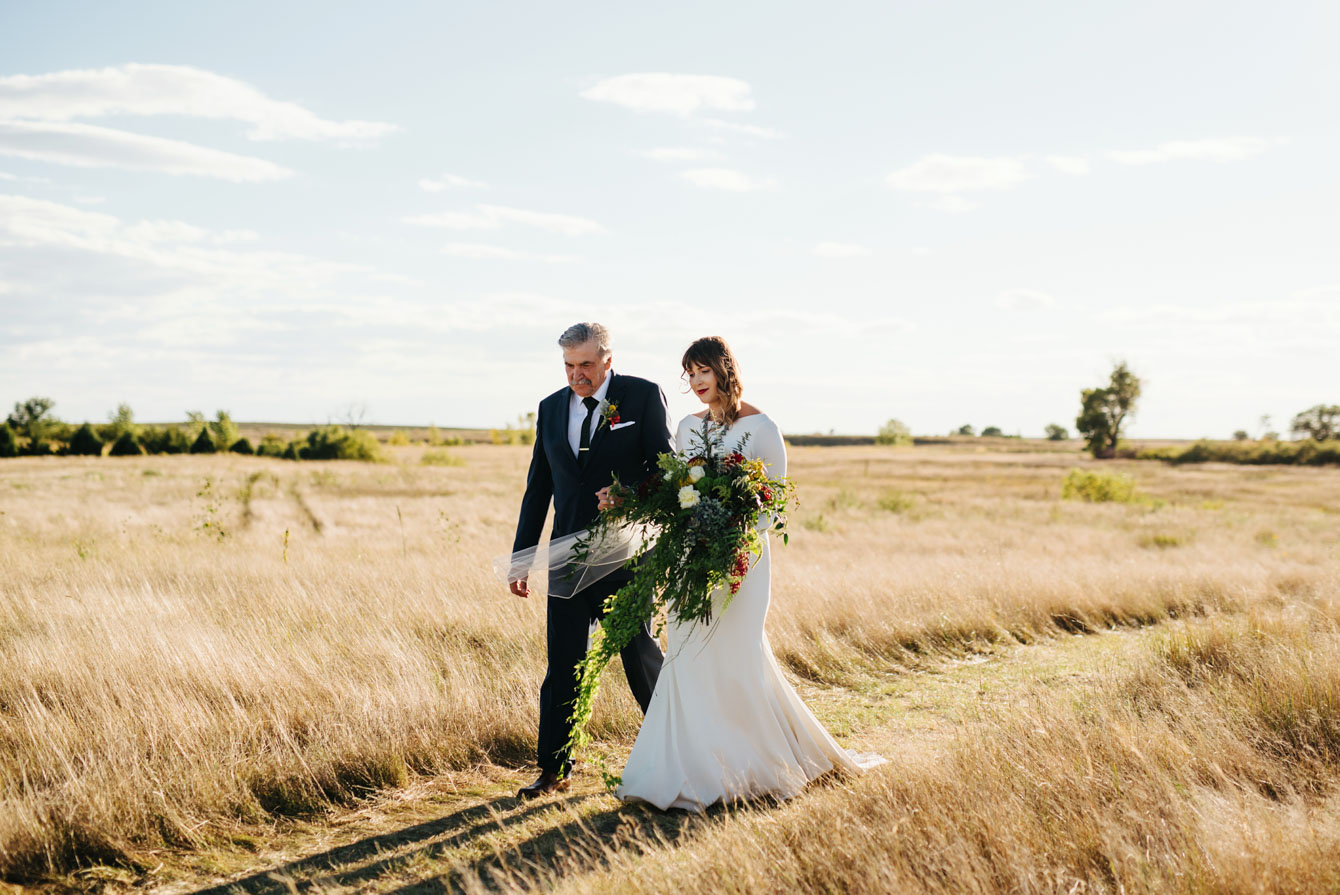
[(276, 676)]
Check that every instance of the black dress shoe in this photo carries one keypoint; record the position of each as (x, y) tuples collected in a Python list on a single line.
[(548, 782)]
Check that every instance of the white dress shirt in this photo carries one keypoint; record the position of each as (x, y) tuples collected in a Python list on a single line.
[(577, 413)]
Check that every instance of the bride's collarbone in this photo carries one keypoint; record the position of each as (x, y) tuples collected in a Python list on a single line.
[(745, 411)]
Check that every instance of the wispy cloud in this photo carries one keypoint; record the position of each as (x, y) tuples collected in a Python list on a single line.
[(91, 146), (726, 179), (1228, 149), (1069, 164), (494, 217), (484, 252), (676, 94), (451, 182), (679, 154), (136, 89), (840, 250), (939, 173), (1024, 300)]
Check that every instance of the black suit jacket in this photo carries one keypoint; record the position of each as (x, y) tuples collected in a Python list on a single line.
[(628, 453)]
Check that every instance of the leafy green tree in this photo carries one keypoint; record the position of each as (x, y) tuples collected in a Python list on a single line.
[(966, 429), (126, 446), (223, 430), (9, 440), (33, 419), (992, 432), (165, 440), (1103, 411), (84, 443), (203, 444), (121, 421), (1056, 433), (1241, 435), (1319, 423), (894, 432)]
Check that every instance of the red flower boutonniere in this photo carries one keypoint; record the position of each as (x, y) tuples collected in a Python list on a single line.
[(610, 415)]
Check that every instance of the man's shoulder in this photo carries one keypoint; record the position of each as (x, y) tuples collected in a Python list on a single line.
[(557, 397), (636, 384)]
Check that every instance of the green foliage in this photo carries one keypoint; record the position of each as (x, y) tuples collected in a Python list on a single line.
[(1254, 453), (522, 433), (271, 446), (1241, 435), (9, 440), (965, 429), (241, 446), (223, 431), (84, 443), (119, 422), (338, 443), (1103, 411), (399, 438), (1319, 423), (1057, 433), (165, 440), (1098, 487), (440, 458), (33, 420), (992, 432), (203, 444), (894, 432), (292, 451), (126, 446)]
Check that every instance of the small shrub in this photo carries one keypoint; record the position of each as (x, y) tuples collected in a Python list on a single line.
[(1161, 540), (337, 443), (441, 458), (398, 438), (894, 432), (1098, 487), (167, 440), (84, 443), (992, 432), (271, 446), (292, 451), (203, 444), (1056, 432), (9, 440), (242, 446), (126, 446), (895, 502)]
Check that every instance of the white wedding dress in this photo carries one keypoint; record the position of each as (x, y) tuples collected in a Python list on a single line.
[(723, 723)]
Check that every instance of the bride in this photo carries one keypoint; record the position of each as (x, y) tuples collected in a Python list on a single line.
[(723, 723)]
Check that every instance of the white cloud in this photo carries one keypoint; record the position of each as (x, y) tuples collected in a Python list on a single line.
[(676, 94), (749, 130), (941, 173), (90, 146), (451, 182), (1229, 149), (493, 217), (952, 204), (726, 179), (1069, 164), (839, 250), (136, 89), (1024, 300), (679, 154), (484, 251)]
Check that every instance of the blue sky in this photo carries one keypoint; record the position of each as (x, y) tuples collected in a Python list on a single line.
[(943, 212)]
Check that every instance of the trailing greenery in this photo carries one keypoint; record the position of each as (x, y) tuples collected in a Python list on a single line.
[(1256, 453)]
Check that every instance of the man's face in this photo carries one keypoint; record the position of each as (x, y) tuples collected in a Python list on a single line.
[(586, 370)]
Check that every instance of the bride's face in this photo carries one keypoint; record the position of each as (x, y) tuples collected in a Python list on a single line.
[(703, 383)]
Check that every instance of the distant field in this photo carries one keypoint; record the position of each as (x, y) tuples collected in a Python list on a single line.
[(211, 665)]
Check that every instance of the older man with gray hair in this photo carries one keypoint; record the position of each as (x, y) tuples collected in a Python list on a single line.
[(601, 426)]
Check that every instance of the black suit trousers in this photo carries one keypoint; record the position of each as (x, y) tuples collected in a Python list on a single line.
[(568, 623)]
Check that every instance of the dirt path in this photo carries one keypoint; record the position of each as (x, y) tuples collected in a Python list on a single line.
[(430, 836)]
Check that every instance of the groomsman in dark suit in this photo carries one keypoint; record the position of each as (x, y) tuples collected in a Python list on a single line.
[(601, 426)]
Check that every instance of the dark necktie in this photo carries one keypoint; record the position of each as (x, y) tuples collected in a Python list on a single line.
[(584, 445)]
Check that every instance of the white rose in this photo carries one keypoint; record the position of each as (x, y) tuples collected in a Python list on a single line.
[(688, 497), (696, 473)]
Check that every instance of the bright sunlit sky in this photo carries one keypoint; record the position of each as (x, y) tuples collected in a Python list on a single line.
[(942, 212)]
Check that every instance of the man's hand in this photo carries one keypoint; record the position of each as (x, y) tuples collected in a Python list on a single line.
[(605, 500), (521, 587)]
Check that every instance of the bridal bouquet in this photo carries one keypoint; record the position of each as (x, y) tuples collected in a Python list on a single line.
[(704, 513)]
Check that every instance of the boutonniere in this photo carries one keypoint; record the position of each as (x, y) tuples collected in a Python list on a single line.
[(610, 415)]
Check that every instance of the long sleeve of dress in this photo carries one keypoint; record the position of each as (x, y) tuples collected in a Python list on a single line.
[(768, 445)]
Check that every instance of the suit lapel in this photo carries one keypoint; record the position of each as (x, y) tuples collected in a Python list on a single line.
[(613, 395), (559, 440)]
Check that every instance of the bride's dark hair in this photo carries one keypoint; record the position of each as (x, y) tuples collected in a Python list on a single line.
[(714, 353)]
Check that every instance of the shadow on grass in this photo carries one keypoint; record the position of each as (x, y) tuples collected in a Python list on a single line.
[(404, 852)]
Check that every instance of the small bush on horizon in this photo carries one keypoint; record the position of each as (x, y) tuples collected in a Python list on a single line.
[(9, 440), (441, 458), (992, 432), (894, 432), (126, 446), (271, 446), (399, 438), (84, 442), (203, 444), (338, 443), (1099, 487), (1057, 433), (241, 446)]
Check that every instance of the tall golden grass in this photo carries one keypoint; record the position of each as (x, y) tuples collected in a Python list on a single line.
[(191, 647)]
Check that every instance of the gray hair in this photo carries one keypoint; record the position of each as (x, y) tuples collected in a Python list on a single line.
[(581, 333)]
